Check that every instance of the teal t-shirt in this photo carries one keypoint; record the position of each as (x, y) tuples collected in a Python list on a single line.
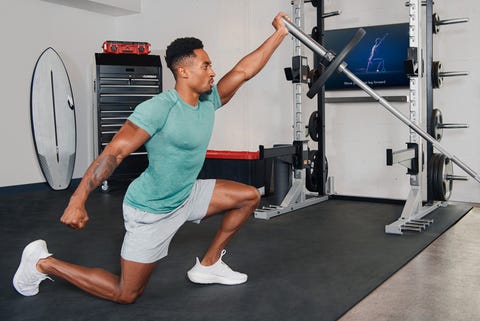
[(179, 137)]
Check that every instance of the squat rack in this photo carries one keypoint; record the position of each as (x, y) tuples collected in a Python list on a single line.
[(422, 72), (413, 208), (297, 195), (413, 213)]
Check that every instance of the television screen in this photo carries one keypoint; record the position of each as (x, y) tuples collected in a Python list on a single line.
[(377, 60)]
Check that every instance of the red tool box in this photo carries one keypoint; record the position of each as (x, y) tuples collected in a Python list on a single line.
[(126, 47)]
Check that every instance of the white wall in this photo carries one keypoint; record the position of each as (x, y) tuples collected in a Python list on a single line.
[(261, 113), (28, 27)]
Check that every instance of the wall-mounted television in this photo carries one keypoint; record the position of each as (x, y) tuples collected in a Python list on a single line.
[(378, 59)]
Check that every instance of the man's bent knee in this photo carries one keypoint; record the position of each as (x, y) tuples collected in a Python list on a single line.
[(253, 196), (128, 297), (256, 195)]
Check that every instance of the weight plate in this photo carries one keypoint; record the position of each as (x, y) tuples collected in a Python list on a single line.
[(335, 63), (435, 23), (437, 183), (434, 174), (313, 172), (315, 34), (440, 164), (313, 75), (317, 169), (310, 184), (440, 177), (447, 184), (326, 166), (441, 168), (310, 180), (436, 79), (437, 119), (431, 162), (313, 126)]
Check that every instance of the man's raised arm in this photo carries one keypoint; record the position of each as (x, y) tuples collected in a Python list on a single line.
[(252, 63)]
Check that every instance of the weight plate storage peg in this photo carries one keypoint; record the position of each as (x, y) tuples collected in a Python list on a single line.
[(438, 74), (436, 22), (438, 125)]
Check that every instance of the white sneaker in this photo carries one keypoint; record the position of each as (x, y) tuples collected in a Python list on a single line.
[(27, 278), (217, 273)]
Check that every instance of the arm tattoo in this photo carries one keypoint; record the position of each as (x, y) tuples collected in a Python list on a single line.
[(104, 167)]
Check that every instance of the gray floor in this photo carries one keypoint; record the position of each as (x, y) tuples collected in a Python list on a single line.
[(441, 283), (312, 265)]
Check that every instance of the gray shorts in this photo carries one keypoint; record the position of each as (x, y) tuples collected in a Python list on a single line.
[(148, 235)]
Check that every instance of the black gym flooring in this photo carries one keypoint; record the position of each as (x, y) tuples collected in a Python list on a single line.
[(312, 264)]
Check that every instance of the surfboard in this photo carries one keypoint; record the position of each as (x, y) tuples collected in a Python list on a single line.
[(53, 119)]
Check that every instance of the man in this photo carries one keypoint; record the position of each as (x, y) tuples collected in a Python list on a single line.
[(175, 127)]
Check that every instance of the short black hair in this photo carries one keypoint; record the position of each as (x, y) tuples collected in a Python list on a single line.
[(179, 49)]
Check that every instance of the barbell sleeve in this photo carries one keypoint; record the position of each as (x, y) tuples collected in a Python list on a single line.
[(317, 48)]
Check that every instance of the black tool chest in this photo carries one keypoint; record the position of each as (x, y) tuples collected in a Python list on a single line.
[(122, 82)]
